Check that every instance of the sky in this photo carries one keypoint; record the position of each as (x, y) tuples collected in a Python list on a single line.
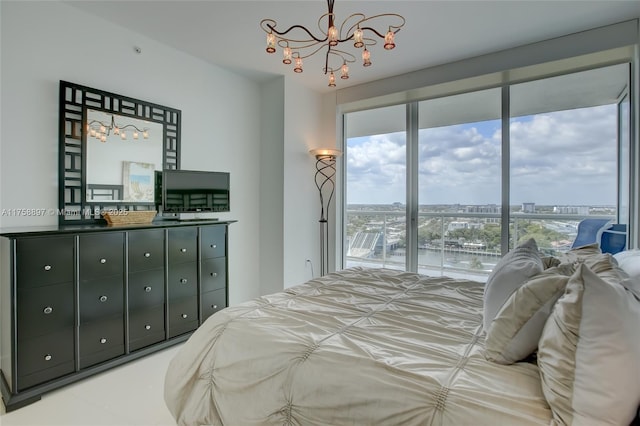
[(558, 158)]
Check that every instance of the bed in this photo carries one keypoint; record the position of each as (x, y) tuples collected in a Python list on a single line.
[(355, 347), (546, 341)]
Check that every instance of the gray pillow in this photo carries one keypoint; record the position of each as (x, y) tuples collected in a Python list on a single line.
[(516, 267), (515, 331)]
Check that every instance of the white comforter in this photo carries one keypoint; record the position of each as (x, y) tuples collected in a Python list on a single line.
[(357, 347)]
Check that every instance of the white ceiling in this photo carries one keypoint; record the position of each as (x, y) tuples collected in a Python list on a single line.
[(227, 33)]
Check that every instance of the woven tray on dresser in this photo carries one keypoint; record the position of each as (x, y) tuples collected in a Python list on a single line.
[(129, 217)]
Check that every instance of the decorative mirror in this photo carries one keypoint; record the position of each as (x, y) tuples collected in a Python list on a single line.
[(110, 147)]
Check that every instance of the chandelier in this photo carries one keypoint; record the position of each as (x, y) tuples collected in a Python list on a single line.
[(101, 130), (355, 29)]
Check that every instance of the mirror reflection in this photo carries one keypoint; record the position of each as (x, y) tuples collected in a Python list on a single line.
[(122, 154)]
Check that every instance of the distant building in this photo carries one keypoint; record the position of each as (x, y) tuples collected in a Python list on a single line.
[(577, 210), (487, 208), (528, 207), (457, 225)]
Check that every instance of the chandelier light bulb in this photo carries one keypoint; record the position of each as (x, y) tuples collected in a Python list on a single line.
[(344, 70), (123, 135), (92, 132), (298, 67), (286, 52), (145, 134), (135, 135), (103, 138), (116, 130), (357, 38), (389, 40), (332, 34), (332, 80), (271, 43), (102, 129), (366, 58)]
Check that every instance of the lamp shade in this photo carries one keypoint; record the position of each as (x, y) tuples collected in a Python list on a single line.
[(325, 152)]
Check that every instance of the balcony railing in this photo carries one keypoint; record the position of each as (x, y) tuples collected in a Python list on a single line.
[(455, 244)]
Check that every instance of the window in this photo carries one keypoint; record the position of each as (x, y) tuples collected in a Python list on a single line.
[(426, 181)]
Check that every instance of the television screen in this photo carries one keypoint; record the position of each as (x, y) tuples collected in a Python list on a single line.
[(187, 191)]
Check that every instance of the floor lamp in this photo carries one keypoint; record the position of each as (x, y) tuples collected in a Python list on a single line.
[(325, 182)]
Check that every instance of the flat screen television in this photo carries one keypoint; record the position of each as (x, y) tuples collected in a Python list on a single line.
[(192, 194)]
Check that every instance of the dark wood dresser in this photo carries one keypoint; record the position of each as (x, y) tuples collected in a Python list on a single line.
[(78, 300)]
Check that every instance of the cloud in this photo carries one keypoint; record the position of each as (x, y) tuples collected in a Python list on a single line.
[(564, 157)]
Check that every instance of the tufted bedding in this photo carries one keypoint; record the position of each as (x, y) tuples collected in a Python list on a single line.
[(356, 347)]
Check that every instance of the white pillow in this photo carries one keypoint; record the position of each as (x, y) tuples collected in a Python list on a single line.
[(515, 331), (510, 272), (629, 261), (589, 352)]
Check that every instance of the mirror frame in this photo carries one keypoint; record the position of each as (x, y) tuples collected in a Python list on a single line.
[(75, 100)]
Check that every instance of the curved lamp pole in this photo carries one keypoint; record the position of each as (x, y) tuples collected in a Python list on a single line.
[(325, 182)]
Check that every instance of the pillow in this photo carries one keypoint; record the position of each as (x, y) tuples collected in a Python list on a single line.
[(515, 331), (510, 272), (629, 261), (589, 352)]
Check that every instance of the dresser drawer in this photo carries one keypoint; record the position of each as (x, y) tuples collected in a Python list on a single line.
[(183, 316), (183, 280), (213, 241), (101, 297), (101, 340), (45, 358), (101, 255), (146, 250), (212, 302), (146, 326), (43, 310), (43, 261), (146, 288), (214, 274), (182, 245)]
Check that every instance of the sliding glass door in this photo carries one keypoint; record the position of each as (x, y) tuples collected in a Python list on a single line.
[(564, 155), (375, 193), (459, 183)]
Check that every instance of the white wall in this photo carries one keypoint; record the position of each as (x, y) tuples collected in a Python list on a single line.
[(271, 186), (301, 201), (44, 42)]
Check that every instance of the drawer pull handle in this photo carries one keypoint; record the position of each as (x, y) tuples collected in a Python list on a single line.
[(103, 260), (147, 327), (103, 340), (215, 306), (103, 298), (183, 250), (214, 246), (47, 267), (184, 315), (48, 310), (47, 357), (183, 280), (214, 274), (147, 289), (147, 255)]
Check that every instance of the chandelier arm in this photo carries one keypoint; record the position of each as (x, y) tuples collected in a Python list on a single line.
[(377, 33), (361, 18), (297, 50), (282, 33), (349, 57), (381, 15)]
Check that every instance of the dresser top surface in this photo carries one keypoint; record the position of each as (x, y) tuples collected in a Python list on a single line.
[(23, 231)]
